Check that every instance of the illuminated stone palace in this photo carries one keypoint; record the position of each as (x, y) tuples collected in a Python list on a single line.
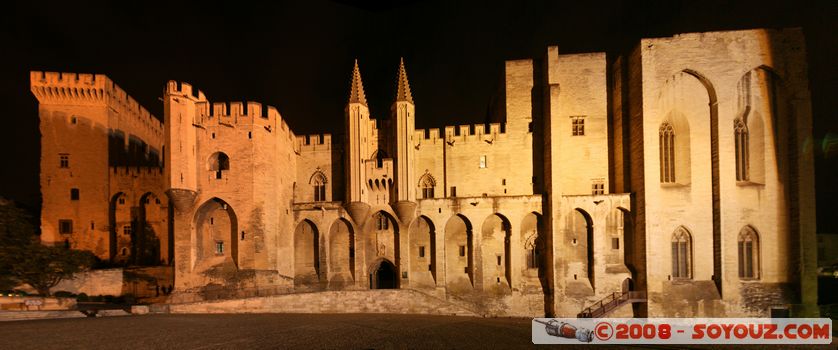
[(677, 176)]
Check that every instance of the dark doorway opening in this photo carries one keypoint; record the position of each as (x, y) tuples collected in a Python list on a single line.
[(628, 285), (384, 277)]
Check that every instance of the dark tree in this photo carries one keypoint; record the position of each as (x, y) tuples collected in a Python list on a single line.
[(42, 267), (16, 232), (23, 259)]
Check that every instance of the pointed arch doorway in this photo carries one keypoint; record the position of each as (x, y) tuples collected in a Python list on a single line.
[(383, 275)]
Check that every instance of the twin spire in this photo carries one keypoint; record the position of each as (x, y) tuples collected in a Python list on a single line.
[(356, 90), (403, 91)]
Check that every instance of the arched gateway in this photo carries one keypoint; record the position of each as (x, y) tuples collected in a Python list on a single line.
[(383, 275)]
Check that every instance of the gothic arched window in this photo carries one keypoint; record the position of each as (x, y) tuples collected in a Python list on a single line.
[(667, 153), (681, 254), (741, 138), (427, 184), (532, 250), (381, 222), (748, 253), (318, 181)]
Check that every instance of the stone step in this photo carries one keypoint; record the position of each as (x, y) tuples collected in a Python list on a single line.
[(396, 301)]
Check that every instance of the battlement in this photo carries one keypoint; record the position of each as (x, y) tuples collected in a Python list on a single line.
[(54, 88), (241, 114), (431, 135), (184, 89), (462, 133), (374, 171), (68, 80), (313, 142), (231, 114)]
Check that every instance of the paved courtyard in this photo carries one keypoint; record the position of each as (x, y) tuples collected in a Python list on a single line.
[(270, 331)]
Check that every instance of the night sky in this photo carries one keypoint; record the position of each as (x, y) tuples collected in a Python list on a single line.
[(298, 57)]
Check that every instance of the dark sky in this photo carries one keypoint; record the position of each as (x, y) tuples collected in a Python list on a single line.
[(298, 57)]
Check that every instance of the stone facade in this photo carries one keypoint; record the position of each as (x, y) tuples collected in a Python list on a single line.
[(101, 170), (680, 170)]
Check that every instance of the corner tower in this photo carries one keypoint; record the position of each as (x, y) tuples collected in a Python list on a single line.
[(404, 124)]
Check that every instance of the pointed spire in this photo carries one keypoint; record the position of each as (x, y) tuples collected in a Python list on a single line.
[(356, 92), (403, 92)]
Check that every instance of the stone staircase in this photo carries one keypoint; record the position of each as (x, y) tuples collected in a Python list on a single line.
[(612, 302)]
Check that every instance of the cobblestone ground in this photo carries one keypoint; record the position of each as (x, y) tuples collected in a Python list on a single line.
[(280, 331)]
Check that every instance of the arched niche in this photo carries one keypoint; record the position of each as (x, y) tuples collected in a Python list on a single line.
[(496, 251), (341, 252), (422, 252), (459, 256), (216, 225), (306, 253)]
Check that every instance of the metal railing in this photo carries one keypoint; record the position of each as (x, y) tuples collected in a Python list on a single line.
[(611, 302)]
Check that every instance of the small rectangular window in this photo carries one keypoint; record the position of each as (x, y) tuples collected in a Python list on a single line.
[(65, 226), (64, 160), (500, 259), (615, 243), (421, 251), (453, 191), (126, 230), (219, 247), (503, 182), (462, 250), (92, 225), (598, 187), (578, 125), (250, 134), (482, 162), (121, 200), (74, 194)]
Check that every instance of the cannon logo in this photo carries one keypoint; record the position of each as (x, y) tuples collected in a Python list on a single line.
[(561, 329)]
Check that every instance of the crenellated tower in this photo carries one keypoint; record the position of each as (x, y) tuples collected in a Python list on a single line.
[(404, 124), (180, 110), (357, 146)]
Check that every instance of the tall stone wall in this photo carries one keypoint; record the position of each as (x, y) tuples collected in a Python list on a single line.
[(702, 84), (76, 176)]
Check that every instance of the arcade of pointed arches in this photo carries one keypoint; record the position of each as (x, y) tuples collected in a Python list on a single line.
[(425, 261)]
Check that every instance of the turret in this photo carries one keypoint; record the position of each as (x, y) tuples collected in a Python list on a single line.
[(357, 130), (404, 125), (180, 113)]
